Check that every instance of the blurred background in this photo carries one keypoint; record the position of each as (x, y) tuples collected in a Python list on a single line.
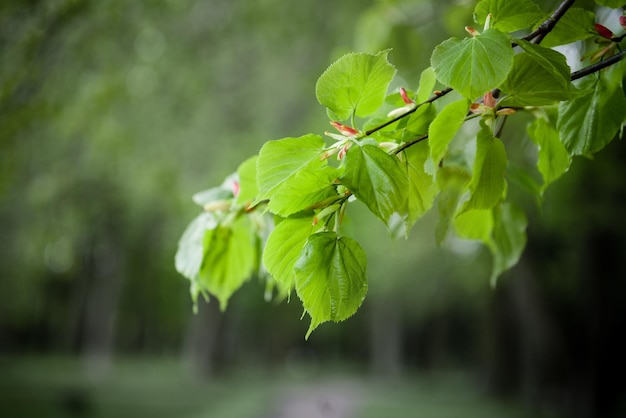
[(113, 113)]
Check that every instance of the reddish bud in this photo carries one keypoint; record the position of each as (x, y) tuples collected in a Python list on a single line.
[(405, 97), (471, 31), (235, 188), (344, 130), (622, 21), (343, 151), (489, 100), (603, 31)]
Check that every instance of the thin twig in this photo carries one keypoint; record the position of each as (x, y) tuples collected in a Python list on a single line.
[(434, 97), (546, 27), (598, 66)]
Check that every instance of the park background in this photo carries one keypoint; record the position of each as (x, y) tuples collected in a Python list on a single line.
[(114, 113)]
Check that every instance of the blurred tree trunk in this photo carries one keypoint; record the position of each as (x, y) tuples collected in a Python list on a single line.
[(385, 337), (200, 347), (99, 306)]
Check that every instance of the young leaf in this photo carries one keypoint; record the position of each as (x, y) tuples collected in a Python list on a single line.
[(475, 65), (488, 185), (331, 278), (248, 189), (540, 77), (427, 84), (229, 260), (508, 238), (444, 127), (507, 15), (280, 160), (377, 179), (574, 26), (589, 123), (190, 251), (355, 84), (475, 225), (554, 159), (305, 189), (283, 248), (421, 192), (452, 182)]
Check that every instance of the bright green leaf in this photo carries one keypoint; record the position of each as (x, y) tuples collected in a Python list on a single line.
[(452, 182), (355, 84), (214, 194), (475, 65), (488, 185), (540, 76), (230, 258), (575, 25), (190, 252), (248, 189), (280, 160), (377, 179), (475, 225), (554, 159), (587, 124), (331, 278), (507, 15), (444, 127), (427, 84), (508, 238), (305, 189), (283, 248), (421, 193)]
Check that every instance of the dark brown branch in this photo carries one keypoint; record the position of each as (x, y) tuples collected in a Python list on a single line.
[(397, 118), (546, 27), (598, 66)]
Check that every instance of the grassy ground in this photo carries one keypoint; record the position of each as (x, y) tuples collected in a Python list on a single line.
[(51, 388)]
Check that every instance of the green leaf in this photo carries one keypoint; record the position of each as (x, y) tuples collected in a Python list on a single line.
[(230, 258), (475, 65), (554, 159), (587, 124), (283, 248), (190, 251), (444, 127), (355, 84), (248, 189), (452, 182), (488, 185), (421, 192), (475, 225), (305, 189), (507, 15), (427, 84), (331, 278), (540, 77), (214, 194), (280, 161), (508, 238), (377, 179), (575, 25), (613, 4)]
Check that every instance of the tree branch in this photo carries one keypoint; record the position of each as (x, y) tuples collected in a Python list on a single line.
[(546, 27), (598, 66), (407, 113)]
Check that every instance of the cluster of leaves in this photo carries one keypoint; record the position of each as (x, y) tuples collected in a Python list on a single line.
[(403, 152)]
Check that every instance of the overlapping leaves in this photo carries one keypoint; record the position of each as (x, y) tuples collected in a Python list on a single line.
[(462, 172)]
